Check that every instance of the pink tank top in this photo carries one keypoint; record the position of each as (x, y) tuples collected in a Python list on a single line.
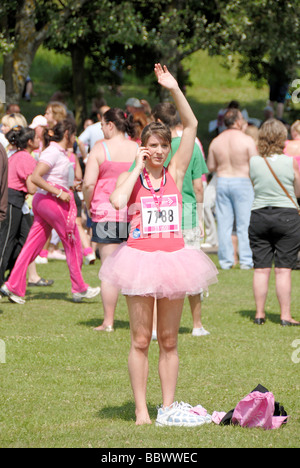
[(101, 208), (166, 235), (285, 151)]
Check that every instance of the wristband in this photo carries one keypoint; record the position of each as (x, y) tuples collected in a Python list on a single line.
[(58, 196)]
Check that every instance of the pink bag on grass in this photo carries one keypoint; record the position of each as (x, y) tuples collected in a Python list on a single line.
[(257, 410)]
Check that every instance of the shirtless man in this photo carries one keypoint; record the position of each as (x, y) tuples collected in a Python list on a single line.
[(228, 156)]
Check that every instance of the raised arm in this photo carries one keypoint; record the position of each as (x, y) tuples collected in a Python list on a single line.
[(182, 157)]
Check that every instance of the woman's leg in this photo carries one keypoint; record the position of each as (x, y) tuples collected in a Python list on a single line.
[(141, 318), (168, 322), (109, 293), (55, 214), (283, 278), (36, 239), (9, 238), (260, 288)]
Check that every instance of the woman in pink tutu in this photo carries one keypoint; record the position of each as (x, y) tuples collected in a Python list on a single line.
[(154, 263)]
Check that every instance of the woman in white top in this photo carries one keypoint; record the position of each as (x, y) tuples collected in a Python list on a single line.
[(54, 208)]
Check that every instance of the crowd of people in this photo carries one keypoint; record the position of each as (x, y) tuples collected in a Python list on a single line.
[(135, 188)]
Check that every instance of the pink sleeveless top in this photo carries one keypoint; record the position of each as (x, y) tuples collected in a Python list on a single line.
[(101, 208), (285, 151), (167, 241)]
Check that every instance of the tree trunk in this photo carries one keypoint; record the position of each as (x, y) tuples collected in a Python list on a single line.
[(16, 64), (169, 54), (78, 72)]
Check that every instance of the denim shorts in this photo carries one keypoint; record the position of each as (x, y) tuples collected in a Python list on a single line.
[(274, 235)]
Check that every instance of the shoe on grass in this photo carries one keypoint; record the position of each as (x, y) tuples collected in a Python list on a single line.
[(11, 297), (179, 414), (200, 332), (90, 259), (88, 294)]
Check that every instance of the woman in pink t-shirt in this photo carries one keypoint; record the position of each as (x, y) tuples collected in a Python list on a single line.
[(15, 228), (54, 208)]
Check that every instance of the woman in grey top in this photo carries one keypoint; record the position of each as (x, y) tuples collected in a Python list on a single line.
[(274, 230)]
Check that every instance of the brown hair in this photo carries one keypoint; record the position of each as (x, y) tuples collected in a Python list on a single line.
[(122, 122), (156, 128), (58, 131), (271, 137), (296, 127), (167, 113), (58, 110), (231, 116), (140, 121)]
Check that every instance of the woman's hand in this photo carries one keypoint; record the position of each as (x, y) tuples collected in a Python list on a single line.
[(65, 197), (142, 155), (164, 77)]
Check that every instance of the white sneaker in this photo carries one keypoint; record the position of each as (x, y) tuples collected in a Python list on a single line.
[(11, 297), (179, 414), (57, 255), (41, 260), (90, 259), (200, 332), (88, 294)]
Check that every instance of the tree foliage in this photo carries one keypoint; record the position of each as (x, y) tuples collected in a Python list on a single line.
[(259, 34), (264, 33)]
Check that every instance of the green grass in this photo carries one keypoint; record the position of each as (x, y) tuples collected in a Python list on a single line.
[(65, 385)]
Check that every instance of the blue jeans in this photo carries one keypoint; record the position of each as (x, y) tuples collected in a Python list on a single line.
[(233, 203)]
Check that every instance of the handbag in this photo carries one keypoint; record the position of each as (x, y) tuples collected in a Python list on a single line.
[(281, 185), (257, 409)]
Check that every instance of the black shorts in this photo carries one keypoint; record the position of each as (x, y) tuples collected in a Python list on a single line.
[(78, 204), (110, 232), (278, 92), (274, 235)]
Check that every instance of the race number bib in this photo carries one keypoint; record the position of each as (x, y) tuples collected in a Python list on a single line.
[(165, 220)]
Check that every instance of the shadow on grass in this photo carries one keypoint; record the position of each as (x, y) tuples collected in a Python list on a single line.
[(95, 322), (125, 412), (53, 296), (120, 324), (250, 314)]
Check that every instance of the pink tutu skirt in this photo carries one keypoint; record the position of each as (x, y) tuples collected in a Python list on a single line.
[(173, 275)]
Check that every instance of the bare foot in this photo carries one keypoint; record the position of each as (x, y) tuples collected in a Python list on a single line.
[(106, 328), (142, 418)]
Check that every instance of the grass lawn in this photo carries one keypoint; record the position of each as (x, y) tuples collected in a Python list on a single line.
[(65, 385)]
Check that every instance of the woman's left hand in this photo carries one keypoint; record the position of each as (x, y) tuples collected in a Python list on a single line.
[(164, 77), (65, 197)]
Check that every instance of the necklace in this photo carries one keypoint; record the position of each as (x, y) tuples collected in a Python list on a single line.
[(157, 200)]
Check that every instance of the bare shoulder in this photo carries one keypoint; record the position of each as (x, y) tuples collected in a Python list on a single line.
[(97, 151)]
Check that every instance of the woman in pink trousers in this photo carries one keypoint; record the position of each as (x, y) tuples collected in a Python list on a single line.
[(54, 208)]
